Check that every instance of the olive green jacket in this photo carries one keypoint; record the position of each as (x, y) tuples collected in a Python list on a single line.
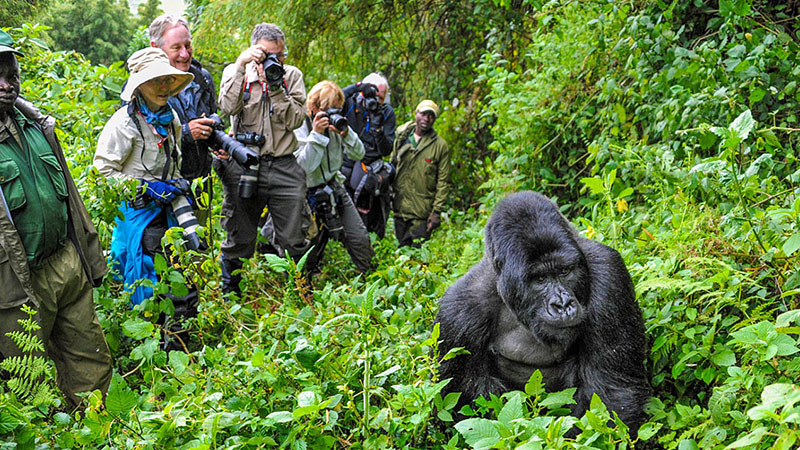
[(422, 182), (15, 276)]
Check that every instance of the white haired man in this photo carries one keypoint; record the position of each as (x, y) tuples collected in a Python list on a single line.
[(370, 115), (194, 104)]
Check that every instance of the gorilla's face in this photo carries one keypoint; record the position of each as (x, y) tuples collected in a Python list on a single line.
[(542, 275)]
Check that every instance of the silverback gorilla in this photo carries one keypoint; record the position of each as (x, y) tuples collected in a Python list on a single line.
[(544, 297)]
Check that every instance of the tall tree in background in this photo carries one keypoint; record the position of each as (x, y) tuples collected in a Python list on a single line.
[(425, 47), (100, 29), (147, 11), (14, 12)]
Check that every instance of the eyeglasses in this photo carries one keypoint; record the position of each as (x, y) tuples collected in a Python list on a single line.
[(163, 81)]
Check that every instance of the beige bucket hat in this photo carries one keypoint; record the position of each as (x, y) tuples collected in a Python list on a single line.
[(149, 63)]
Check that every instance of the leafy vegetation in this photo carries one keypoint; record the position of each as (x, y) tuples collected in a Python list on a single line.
[(666, 130)]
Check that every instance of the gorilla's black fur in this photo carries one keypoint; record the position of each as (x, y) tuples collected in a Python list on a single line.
[(544, 297)]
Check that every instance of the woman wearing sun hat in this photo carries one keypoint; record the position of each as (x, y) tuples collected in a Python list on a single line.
[(142, 141)]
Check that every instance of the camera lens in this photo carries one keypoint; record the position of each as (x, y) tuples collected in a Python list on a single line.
[(273, 69), (336, 119)]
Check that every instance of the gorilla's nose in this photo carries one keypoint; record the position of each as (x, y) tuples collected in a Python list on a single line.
[(563, 307)]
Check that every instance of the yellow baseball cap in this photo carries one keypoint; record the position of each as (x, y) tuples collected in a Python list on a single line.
[(428, 105)]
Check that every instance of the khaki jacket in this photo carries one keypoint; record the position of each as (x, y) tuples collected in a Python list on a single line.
[(275, 117), (15, 276), (119, 149), (422, 182)]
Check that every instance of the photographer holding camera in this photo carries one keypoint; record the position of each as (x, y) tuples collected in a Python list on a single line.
[(264, 97), (372, 117), (325, 138), (142, 141)]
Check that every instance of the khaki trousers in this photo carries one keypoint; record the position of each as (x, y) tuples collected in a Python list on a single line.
[(70, 330)]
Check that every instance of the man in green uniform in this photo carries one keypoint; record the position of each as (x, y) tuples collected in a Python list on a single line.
[(50, 256), (422, 160)]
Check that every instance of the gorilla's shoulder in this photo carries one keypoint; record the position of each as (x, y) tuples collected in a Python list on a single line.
[(603, 260)]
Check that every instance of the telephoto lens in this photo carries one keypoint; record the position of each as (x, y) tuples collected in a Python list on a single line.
[(336, 118), (248, 181), (238, 151), (186, 220)]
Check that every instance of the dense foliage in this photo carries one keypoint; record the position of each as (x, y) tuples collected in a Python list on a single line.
[(666, 130)]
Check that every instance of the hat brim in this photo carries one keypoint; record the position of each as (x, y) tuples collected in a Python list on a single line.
[(7, 49), (182, 79), (428, 109)]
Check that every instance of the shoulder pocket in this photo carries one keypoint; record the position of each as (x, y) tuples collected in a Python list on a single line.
[(56, 175), (12, 185)]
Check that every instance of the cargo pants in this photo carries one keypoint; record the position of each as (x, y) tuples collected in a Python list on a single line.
[(70, 330)]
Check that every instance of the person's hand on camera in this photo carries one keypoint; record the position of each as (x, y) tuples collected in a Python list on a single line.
[(368, 90), (201, 128), (321, 122), (255, 53), (161, 191)]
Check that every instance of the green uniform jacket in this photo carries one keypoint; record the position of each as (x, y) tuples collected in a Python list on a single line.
[(422, 182), (15, 276)]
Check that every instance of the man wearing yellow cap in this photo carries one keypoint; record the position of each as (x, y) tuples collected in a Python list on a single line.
[(49, 252), (422, 182)]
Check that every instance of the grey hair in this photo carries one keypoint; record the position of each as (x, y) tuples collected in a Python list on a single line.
[(267, 32), (163, 23), (376, 79)]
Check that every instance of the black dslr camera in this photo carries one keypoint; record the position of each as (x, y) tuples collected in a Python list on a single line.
[(237, 148), (323, 201), (336, 118), (182, 209), (238, 151), (273, 69), (370, 93)]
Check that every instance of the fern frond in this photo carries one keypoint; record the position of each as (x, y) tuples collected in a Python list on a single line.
[(26, 341)]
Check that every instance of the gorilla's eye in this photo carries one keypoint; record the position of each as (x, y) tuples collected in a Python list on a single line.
[(565, 271), (498, 264), (537, 278)]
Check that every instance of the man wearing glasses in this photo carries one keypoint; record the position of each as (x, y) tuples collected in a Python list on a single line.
[(264, 97)]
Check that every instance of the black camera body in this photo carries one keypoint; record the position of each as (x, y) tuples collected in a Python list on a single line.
[(336, 118), (323, 201), (370, 93), (273, 69), (238, 151), (251, 138), (182, 208)]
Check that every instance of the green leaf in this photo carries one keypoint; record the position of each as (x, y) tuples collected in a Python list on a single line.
[(120, 399), (791, 245), (724, 357), (595, 185), (742, 125), (478, 430), (559, 399), (306, 398), (178, 361), (511, 410), (750, 439), (281, 416), (535, 385), (137, 328), (649, 430)]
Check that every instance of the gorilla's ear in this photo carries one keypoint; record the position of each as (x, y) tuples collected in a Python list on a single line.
[(493, 248)]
